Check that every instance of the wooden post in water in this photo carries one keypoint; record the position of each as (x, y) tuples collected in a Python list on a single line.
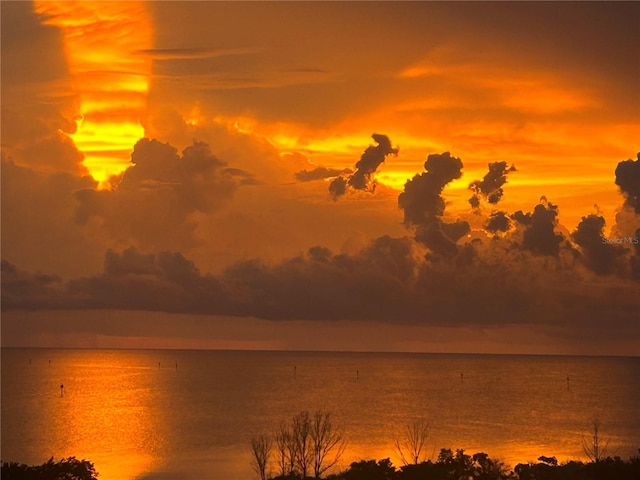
[(61, 390)]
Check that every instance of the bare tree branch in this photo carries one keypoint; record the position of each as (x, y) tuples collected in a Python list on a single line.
[(595, 448), (328, 443), (412, 441), (261, 451)]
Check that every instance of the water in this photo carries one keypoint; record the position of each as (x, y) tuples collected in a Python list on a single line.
[(190, 414)]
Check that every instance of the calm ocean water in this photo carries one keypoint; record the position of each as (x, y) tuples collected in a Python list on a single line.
[(190, 414)]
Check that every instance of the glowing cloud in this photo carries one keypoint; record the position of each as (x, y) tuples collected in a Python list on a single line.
[(110, 76)]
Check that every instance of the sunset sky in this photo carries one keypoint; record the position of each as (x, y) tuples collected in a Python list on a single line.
[(419, 176)]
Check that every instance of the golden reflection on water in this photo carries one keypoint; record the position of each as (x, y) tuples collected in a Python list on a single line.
[(112, 421)]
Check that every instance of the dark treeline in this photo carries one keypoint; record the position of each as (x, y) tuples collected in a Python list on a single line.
[(448, 466), (479, 466), (66, 469)]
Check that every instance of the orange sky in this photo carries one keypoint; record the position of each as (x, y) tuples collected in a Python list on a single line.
[(477, 95), (274, 89)]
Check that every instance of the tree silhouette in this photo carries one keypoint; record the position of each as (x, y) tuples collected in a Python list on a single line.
[(284, 450), (412, 441), (301, 441), (328, 443), (595, 448), (261, 451), (66, 469)]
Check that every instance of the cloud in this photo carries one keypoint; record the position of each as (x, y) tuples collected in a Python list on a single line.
[(133, 280), (490, 187), (635, 260), (196, 53), (421, 200), (25, 290), (539, 235), (321, 173), (159, 193), (598, 254), (39, 230), (362, 177), (388, 281), (498, 222), (338, 187), (423, 205), (628, 179), (246, 152)]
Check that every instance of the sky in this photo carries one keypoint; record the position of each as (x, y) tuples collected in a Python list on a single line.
[(366, 176)]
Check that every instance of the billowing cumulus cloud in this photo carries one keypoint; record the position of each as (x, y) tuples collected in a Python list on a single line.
[(362, 177), (161, 188), (599, 255), (338, 187), (540, 235), (490, 187), (498, 222), (423, 205), (628, 179), (421, 199)]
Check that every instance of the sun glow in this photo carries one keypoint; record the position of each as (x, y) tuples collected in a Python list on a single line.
[(103, 43)]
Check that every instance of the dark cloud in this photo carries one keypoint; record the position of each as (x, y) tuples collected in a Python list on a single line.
[(628, 179), (25, 290), (635, 260), (490, 187), (387, 281), (320, 173), (133, 280), (250, 157), (243, 177), (540, 234), (159, 193), (599, 254), (362, 177), (521, 217), (498, 222), (441, 237), (423, 205), (338, 187), (421, 200)]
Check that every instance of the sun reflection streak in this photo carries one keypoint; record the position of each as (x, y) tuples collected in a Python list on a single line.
[(103, 41), (114, 420)]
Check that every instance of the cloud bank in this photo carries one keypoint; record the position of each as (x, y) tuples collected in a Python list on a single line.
[(444, 275)]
